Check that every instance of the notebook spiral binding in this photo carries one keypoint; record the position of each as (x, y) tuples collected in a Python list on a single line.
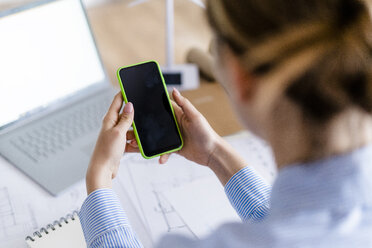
[(51, 227)]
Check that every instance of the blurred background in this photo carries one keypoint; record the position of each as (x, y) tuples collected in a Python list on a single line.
[(126, 34)]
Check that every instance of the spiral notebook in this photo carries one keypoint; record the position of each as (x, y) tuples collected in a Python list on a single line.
[(64, 233)]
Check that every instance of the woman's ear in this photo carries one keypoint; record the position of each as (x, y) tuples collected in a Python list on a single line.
[(243, 83)]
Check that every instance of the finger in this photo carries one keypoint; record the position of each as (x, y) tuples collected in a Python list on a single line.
[(186, 106), (130, 135), (164, 158), (126, 118), (177, 111), (131, 149), (133, 143), (112, 116)]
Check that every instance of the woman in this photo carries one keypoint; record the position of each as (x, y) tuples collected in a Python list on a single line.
[(298, 75)]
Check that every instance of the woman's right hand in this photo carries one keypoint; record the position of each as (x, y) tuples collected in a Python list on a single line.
[(200, 140)]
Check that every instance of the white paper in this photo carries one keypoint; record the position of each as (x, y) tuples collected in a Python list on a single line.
[(25, 207), (202, 205), (256, 153), (146, 181), (67, 235)]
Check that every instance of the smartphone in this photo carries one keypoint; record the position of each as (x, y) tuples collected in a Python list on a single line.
[(155, 125)]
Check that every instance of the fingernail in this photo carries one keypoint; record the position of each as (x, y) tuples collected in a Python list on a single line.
[(133, 143), (128, 108), (176, 91)]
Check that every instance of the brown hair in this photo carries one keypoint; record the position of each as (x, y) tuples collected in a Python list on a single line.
[(265, 34)]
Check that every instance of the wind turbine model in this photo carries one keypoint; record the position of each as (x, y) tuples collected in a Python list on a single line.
[(181, 76)]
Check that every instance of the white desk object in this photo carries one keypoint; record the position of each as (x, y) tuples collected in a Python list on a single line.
[(180, 76), (65, 233)]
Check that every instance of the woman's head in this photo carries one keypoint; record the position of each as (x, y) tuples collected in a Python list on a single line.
[(315, 55)]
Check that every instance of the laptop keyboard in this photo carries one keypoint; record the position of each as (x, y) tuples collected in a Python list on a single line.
[(59, 133)]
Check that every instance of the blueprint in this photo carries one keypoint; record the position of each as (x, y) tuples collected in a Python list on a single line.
[(147, 182), (145, 185), (202, 205), (25, 207), (141, 186)]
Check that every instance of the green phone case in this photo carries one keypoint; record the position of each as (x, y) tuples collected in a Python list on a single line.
[(134, 125)]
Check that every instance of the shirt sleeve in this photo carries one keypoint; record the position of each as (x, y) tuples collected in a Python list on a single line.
[(248, 194), (105, 223)]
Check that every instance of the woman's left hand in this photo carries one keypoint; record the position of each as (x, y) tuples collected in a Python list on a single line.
[(111, 144)]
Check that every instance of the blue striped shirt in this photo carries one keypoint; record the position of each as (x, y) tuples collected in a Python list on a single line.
[(326, 203)]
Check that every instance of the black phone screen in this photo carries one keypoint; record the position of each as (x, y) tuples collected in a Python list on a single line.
[(153, 118)]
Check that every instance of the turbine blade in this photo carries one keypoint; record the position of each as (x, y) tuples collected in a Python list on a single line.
[(199, 2), (137, 2)]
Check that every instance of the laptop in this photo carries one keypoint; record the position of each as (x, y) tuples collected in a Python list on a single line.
[(54, 91)]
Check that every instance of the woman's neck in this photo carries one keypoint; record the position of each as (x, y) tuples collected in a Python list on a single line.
[(295, 140)]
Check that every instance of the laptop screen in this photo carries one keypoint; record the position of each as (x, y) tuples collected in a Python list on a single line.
[(46, 54)]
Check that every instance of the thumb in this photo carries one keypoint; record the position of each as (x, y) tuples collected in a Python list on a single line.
[(189, 109), (126, 118)]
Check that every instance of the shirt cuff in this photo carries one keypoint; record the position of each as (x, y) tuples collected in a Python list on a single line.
[(100, 213), (248, 194)]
